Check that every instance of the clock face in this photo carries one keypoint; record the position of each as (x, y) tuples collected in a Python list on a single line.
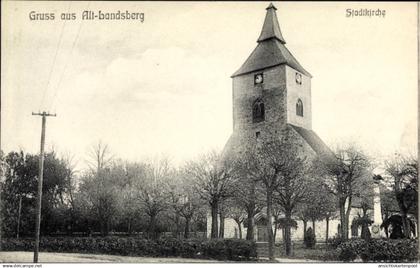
[(298, 78), (258, 78)]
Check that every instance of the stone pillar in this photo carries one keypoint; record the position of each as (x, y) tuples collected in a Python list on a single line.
[(377, 213)]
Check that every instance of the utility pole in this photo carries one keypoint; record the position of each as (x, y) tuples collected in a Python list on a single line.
[(40, 177), (2, 178)]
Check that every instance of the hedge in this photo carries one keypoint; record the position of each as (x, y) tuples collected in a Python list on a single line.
[(375, 250), (220, 249)]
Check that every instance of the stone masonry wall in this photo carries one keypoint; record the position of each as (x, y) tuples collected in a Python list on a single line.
[(272, 92), (295, 92)]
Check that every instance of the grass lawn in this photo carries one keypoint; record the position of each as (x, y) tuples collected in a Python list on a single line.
[(45, 257), (300, 252)]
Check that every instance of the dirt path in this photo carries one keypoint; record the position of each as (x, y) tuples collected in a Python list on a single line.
[(45, 257)]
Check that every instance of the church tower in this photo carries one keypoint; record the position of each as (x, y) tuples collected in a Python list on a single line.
[(272, 93), (271, 88), (271, 97)]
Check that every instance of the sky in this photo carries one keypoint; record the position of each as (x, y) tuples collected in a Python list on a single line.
[(163, 86)]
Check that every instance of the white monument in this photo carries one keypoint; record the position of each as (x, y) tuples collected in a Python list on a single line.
[(377, 214)]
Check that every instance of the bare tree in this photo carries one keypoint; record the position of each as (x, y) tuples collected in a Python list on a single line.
[(238, 214), (303, 214), (340, 175), (69, 161), (247, 195), (292, 189), (328, 212), (132, 179), (100, 195), (223, 212), (319, 204), (279, 169), (154, 193), (186, 202), (212, 180), (176, 200), (99, 157), (99, 185), (277, 215), (403, 173)]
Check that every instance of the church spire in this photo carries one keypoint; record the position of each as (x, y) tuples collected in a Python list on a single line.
[(271, 28)]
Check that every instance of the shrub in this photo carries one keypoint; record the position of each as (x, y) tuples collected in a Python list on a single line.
[(350, 250), (375, 250), (221, 249), (401, 250), (333, 243), (230, 249), (309, 239)]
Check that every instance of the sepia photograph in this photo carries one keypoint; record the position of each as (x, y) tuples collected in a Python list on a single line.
[(213, 132)]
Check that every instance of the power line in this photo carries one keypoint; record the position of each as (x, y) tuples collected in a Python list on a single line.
[(67, 62), (55, 58)]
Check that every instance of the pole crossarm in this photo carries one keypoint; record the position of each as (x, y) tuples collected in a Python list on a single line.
[(44, 114)]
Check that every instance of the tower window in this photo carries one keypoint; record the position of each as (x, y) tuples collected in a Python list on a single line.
[(257, 134), (258, 111), (299, 108)]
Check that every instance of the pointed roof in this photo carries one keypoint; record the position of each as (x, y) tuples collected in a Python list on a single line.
[(271, 50), (267, 54), (271, 28)]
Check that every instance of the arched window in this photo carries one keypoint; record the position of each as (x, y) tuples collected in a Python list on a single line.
[(299, 108), (258, 111)]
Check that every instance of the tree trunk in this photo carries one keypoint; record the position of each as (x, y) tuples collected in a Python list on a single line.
[(270, 227), (385, 216), (222, 225), (288, 240), (152, 227), (283, 233), (347, 219), (71, 223), (406, 225), (403, 210), (327, 219), (19, 213), (305, 225), (103, 227), (343, 221), (129, 226), (177, 226), (239, 228), (275, 233), (313, 226), (250, 229), (187, 227), (108, 226), (214, 224)]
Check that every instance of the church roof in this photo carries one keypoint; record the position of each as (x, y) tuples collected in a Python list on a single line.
[(270, 53), (271, 28), (314, 141), (270, 50)]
